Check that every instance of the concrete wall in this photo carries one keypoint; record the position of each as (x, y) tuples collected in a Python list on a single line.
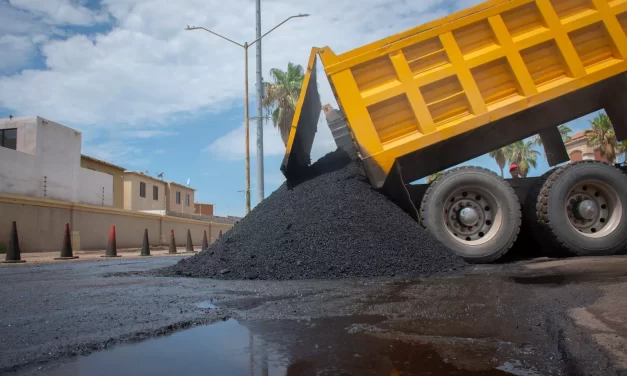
[(46, 163), (132, 200), (180, 208), (116, 173), (96, 188), (20, 174), (59, 150), (52, 172), (41, 224)]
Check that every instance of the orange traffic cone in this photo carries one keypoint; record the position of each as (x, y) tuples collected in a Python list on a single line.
[(112, 249), (189, 247), (172, 242), (205, 244), (13, 252), (66, 251), (145, 245)]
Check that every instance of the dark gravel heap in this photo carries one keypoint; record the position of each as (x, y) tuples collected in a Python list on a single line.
[(330, 225)]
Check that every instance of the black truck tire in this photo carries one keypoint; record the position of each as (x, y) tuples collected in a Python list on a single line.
[(583, 208), (532, 222), (459, 197)]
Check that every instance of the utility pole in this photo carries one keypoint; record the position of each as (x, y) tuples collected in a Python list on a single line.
[(260, 183), (245, 47)]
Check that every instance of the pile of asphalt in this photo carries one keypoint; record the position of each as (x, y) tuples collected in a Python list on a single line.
[(332, 224)]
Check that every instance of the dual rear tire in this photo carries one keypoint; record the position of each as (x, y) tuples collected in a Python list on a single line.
[(579, 208)]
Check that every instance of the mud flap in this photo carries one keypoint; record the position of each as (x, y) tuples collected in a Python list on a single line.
[(396, 190), (304, 125)]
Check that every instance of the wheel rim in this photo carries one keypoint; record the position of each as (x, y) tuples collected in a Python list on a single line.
[(593, 208), (472, 215)]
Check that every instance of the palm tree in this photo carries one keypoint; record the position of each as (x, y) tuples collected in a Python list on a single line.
[(523, 154), (622, 150), (281, 97), (564, 132), (500, 156), (434, 177), (602, 134)]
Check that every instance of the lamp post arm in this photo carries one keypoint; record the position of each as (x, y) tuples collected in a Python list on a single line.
[(214, 33), (274, 28)]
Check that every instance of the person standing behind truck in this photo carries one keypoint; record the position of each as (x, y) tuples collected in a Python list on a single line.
[(514, 171)]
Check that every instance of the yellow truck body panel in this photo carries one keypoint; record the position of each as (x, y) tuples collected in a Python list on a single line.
[(453, 75)]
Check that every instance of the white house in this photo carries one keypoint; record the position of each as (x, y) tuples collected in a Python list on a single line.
[(41, 158)]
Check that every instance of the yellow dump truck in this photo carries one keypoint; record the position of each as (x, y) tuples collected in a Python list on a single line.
[(440, 94)]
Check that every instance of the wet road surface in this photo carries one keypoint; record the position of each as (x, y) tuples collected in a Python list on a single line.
[(534, 318)]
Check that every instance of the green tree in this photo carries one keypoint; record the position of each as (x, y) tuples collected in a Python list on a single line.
[(622, 150), (434, 177), (524, 155), (564, 130), (500, 156), (282, 95), (601, 134)]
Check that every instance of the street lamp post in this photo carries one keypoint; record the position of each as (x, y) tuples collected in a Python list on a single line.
[(246, 117)]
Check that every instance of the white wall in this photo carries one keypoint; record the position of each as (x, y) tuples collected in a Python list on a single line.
[(96, 188), (47, 164), (20, 174), (60, 149)]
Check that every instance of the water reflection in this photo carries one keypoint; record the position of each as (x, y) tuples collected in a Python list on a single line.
[(283, 347), (224, 348)]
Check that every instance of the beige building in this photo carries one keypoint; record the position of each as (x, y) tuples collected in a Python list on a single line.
[(116, 172), (144, 193), (180, 198), (579, 148)]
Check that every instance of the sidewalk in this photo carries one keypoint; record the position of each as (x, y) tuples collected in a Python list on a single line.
[(128, 253)]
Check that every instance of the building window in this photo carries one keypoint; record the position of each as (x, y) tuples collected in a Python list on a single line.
[(155, 192), (186, 199), (142, 189), (8, 138), (178, 197)]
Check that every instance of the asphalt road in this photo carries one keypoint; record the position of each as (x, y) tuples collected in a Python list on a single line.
[(536, 317)]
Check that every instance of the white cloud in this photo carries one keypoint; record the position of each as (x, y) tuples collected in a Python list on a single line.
[(61, 12), (147, 69), (147, 133)]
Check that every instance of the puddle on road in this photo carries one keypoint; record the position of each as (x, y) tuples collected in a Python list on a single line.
[(285, 348), (222, 348)]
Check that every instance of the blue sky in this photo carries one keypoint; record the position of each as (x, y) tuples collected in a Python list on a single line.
[(149, 96)]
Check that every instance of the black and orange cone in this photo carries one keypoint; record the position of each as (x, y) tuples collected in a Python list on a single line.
[(66, 251), (189, 246), (172, 242), (13, 252), (145, 245), (205, 244), (112, 249)]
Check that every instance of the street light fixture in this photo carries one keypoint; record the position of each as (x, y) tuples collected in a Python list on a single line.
[(246, 117)]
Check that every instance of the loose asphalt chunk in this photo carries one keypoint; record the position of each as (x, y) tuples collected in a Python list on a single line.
[(332, 224)]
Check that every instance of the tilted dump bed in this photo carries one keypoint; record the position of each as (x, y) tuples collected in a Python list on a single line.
[(451, 76)]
